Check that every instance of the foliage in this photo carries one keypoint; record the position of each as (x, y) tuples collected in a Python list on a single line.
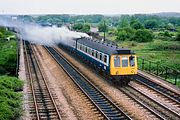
[(8, 56), (136, 24), (150, 24), (125, 33), (178, 37), (86, 28), (81, 27), (143, 36), (10, 100), (1, 35), (102, 27), (78, 26), (123, 22)]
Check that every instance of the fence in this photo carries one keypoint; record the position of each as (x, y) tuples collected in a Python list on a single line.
[(169, 74)]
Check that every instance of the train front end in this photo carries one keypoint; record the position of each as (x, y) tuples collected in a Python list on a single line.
[(123, 65)]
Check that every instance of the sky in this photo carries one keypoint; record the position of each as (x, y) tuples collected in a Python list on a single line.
[(88, 6)]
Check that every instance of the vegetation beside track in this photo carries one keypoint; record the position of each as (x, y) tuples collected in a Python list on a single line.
[(10, 87)]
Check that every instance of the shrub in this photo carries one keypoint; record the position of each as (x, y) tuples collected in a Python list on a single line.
[(143, 36), (10, 100)]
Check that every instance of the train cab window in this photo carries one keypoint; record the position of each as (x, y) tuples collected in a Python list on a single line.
[(105, 58), (124, 61), (116, 61), (132, 61)]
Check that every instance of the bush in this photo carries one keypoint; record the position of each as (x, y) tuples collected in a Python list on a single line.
[(10, 100), (125, 33), (143, 36)]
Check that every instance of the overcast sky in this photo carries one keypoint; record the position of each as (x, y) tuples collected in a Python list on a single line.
[(88, 6)]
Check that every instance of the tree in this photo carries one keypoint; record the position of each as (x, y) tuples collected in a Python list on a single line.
[(123, 23), (81, 27), (77, 26), (121, 35), (170, 27), (102, 27), (125, 33), (137, 25), (86, 28), (150, 24), (143, 35)]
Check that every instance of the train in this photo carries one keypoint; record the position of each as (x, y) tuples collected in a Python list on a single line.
[(118, 64)]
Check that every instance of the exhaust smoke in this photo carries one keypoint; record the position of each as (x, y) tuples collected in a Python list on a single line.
[(37, 34)]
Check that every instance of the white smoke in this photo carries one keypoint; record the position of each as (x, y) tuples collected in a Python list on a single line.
[(43, 35)]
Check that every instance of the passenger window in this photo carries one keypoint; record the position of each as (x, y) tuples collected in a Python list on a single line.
[(105, 58), (96, 54), (86, 50), (132, 61), (124, 61), (89, 51), (116, 61), (92, 53), (100, 56)]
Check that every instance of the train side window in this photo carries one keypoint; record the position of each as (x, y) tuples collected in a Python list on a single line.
[(92, 53), (96, 54), (80, 47), (77, 46), (116, 61), (124, 61), (100, 56), (105, 58), (89, 50), (86, 50)]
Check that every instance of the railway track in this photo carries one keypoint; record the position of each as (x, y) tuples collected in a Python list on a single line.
[(159, 109), (41, 100), (105, 107), (158, 88)]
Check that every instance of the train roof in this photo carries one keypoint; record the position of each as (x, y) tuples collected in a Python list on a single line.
[(103, 47)]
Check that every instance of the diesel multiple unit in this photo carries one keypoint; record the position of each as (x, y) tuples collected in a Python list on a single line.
[(117, 63)]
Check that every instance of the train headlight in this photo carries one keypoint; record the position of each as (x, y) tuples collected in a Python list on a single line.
[(117, 72)]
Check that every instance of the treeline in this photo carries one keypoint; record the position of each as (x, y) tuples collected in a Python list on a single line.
[(138, 27)]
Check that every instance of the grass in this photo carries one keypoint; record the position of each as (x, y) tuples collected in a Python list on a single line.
[(165, 53), (162, 50)]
